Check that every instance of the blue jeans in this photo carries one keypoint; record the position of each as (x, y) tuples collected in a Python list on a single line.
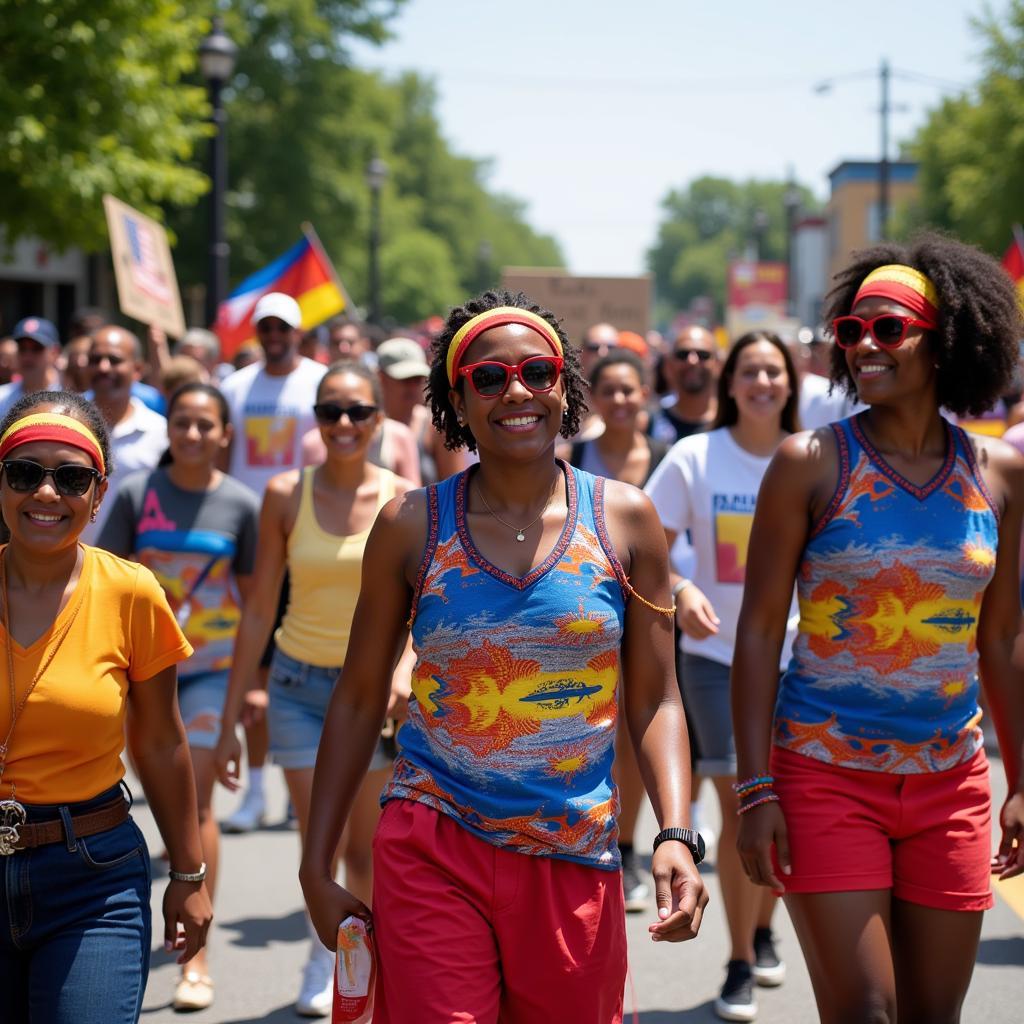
[(75, 924)]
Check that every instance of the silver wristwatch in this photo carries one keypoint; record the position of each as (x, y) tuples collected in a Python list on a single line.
[(188, 876)]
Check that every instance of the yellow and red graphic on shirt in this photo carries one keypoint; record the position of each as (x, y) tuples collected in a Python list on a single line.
[(733, 519), (270, 441)]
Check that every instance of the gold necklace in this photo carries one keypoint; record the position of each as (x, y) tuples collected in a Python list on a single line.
[(18, 706), (520, 532)]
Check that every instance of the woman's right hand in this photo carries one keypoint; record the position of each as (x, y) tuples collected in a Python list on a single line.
[(329, 904), (227, 758), (759, 830), (694, 614)]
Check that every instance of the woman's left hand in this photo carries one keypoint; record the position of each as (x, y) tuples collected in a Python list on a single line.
[(679, 891), (187, 916), (1009, 858)]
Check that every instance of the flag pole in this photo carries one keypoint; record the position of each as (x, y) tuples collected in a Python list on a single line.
[(314, 240), (1018, 237)]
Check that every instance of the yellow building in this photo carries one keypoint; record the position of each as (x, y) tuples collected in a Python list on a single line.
[(853, 217)]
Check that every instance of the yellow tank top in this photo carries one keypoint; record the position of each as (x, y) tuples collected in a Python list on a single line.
[(325, 572)]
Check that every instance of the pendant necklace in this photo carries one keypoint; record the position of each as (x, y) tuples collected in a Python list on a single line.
[(12, 813), (520, 532)]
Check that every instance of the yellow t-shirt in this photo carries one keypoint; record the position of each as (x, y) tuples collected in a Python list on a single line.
[(68, 740)]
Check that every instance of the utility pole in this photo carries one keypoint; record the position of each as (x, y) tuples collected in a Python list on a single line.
[(883, 164)]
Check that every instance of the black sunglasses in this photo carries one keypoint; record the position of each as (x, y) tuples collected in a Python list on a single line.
[(331, 412), (683, 354), (71, 480)]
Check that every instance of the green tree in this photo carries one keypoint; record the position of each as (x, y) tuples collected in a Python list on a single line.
[(303, 125), (94, 98), (971, 148), (708, 223)]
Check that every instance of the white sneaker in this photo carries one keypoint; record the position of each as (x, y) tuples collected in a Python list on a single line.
[(316, 996), (249, 814)]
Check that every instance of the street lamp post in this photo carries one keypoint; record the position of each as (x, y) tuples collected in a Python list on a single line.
[(376, 175), (217, 62), (791, 202)]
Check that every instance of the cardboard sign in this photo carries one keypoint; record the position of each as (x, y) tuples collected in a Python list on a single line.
[(147, 289), (624, 302)]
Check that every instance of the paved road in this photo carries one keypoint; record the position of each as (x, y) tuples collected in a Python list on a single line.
[(259, 944)]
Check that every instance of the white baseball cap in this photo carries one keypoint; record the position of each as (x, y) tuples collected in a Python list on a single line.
[(284, 307)]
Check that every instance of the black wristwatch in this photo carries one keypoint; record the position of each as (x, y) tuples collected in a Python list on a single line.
[(693, 841)]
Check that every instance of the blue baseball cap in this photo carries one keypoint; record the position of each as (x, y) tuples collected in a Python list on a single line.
[(35, 328)]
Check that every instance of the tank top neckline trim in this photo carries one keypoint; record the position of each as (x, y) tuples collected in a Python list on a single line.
[(923, 492), (553, 557), (306, 499)]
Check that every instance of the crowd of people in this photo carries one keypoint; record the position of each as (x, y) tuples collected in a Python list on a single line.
[(476, 594)]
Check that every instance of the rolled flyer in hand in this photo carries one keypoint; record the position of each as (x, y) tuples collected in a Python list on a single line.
[(355, 972)]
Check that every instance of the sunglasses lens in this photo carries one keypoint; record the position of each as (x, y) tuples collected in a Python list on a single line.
[(360, 413), (848, 331), (73, 481), (539, 374), (327, 412), (888, 330), (23, 475), (489, 379)]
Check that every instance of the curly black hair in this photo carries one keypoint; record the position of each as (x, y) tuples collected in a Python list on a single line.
[(458, 436), (976, 343), (70, 403)]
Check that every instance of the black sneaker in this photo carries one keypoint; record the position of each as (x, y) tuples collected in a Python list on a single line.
[(769, 970), (636, 891), (736, 1001)]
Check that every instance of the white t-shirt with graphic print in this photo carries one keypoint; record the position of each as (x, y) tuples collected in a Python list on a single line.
[(708, 484), (270, 415)]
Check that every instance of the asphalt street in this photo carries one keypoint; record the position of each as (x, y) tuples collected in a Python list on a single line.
[(259, 943)]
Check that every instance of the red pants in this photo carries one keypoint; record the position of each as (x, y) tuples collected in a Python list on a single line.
[(470, 933)]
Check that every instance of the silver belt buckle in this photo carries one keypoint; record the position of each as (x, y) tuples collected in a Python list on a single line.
[(12, 817)]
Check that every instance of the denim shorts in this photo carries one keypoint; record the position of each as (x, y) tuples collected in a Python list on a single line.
[(201, 700), (75, 929), (705, 688), (299, 694)]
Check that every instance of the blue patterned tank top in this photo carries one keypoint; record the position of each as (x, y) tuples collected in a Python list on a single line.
[(515, 692), (884, 674)]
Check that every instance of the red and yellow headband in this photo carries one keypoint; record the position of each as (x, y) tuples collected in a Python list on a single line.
[(497, 318), (905, 285), (53, 426)]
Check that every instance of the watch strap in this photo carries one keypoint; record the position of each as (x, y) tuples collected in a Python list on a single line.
[(691, 839)]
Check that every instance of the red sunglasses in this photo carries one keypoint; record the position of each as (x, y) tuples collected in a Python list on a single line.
[(888, 329), (490, 378)]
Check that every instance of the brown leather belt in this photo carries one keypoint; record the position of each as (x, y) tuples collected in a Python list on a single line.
[(40, 833)]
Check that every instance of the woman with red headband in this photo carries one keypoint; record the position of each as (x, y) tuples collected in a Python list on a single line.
[(864, 791), (87, 637), (531, 588)]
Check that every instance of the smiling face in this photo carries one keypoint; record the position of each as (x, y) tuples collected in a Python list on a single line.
[(618, 396), (344, 439), (45, 521), (113, 364), (280, 342), (518, 424), (887, 376), (195, 430), (760, 384), (691, 367)]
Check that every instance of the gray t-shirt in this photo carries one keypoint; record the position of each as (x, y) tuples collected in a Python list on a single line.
[(195, 542)]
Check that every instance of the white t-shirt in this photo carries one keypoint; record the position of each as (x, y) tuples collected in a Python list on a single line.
[(818, 408), (137, 442), (708, 484), (270, 416), (9, 394)]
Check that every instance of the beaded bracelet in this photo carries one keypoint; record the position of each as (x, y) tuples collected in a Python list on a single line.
[(747, 785), (768, 798)]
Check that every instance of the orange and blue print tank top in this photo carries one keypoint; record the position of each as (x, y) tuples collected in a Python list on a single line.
[(514, 700), (884, 673)]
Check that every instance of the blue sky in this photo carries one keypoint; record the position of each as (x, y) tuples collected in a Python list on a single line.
[(592, 111)]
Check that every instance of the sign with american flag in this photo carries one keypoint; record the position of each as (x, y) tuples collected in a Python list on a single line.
[(147, 288)]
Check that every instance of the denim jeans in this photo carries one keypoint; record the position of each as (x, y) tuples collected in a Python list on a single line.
[(75, 924)]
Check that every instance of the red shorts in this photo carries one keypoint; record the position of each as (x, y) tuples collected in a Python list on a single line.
[(927, 837), (467, 932)]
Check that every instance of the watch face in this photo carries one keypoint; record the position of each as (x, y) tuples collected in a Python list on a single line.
[(699, 856)]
